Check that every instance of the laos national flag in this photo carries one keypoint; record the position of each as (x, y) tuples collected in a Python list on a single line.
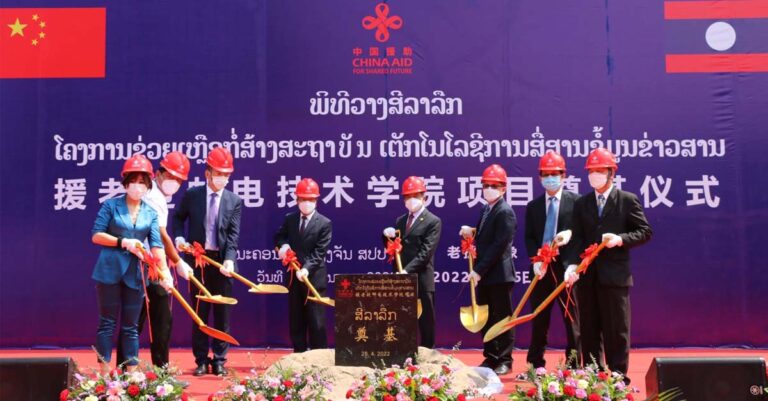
[(716, 36), (52, 42)]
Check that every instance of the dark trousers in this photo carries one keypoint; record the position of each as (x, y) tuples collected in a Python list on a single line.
[(427, 319), (217, 284), (540, 327), (604, 312), (118, 301), (498, 297), (306, 319), (160, 322)]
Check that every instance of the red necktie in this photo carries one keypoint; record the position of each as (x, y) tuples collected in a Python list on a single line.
[(409, 223)]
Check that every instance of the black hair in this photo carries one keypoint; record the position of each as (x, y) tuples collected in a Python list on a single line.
[(132, 175)]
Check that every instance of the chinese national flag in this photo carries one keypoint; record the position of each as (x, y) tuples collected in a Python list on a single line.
[(52, 42)]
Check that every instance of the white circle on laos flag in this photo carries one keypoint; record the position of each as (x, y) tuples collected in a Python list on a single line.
[(720, 36)]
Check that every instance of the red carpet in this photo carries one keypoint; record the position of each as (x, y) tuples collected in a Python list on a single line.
[(242, 363)]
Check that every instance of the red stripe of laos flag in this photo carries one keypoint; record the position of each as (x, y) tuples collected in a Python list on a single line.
[(52, 42)]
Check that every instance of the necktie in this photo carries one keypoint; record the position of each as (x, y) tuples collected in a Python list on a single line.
[(213, 214), (303, 225), (600, 204), (549, 226), (409, 224), (482, 219)]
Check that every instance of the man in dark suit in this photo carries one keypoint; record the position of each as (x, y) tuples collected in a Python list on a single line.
[(420, 234), (213, 217), (494, 272), (546, 216), (308, 233), (616, 217)]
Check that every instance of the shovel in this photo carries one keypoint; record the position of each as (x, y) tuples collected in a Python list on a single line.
[(473, 317), (561, 239), (509, 322), (399, 265), (315, 295), (254, 288), (208, 297), (217, 334)]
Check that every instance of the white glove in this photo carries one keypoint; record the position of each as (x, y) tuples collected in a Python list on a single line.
[(302, 274), (563, 237), (389, 232), (474, 276), (537, 270), (167, 281), (571, 277), (466, 231), (283, 250), (227, 268), (180, 241), (133, 246), (183, 269), (613, 240)]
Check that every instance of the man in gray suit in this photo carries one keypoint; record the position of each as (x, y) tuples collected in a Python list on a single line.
[(212, 215)]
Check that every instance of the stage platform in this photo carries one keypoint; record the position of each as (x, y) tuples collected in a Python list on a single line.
[(243, 360)]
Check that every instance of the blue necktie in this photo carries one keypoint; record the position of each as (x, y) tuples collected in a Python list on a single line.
[(549, 226), (600, 205), (213, 214)]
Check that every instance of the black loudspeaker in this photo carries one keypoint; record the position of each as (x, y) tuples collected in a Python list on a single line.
[(709, 379), (34, 379)]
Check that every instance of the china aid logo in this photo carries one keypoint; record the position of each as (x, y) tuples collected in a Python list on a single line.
[(382, 22)]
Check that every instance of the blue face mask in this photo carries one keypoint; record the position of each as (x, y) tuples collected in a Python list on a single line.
[(551, 183)]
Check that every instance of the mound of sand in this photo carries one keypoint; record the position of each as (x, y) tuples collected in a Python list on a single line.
[(342, 377)]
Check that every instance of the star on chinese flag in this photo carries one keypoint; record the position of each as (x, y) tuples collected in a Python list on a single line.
[(52, 42)]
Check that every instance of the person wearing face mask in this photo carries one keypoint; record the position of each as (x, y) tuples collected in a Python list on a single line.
[(494, 271), (420, 234), (308, 233), (615, 216), (546, 216), (122, 225), (211, 214), (174, 169)]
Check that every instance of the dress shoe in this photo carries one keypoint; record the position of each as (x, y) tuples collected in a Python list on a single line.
[(200, 370), (487, 364), (218, 370), (502, 369)]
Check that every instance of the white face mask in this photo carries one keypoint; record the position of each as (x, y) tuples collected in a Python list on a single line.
[(136, 190), (597, 180), (169, 187), (413, 205), (220, 182), (491, 194), (307, 207)]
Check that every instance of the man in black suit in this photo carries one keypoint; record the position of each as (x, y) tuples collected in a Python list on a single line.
[(546, 216), (494, 272), (420, 234), (308, 233), (213, 217), (616, 217)]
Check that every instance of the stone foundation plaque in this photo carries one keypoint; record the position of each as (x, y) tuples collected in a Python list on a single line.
[(375, 319)]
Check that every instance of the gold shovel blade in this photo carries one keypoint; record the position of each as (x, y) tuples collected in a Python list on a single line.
[(323, 300), (419, 309), (217, 299), (468, 318), (219, 335), (268, 289), (505, 325)]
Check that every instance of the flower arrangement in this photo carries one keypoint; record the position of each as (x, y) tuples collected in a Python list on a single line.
[(588, 384), (146, 383), (286, 384), (407, 384)]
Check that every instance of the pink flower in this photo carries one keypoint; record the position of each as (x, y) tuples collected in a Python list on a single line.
[(581, 394), (541, 371), (238, 390), (553, 388)]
